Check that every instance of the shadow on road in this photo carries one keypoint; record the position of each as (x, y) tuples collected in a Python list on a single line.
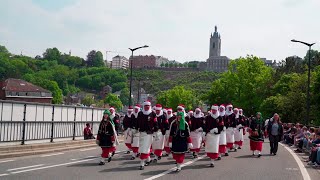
[(119, 169), (85, 164)]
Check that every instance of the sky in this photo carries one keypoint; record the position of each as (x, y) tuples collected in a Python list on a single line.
[(176, 29)]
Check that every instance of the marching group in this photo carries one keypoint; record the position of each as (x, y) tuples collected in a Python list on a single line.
[(162, 132)]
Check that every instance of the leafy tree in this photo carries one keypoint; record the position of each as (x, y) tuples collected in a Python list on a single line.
[(315, 58), (88, 100), (114, 101), (95, 59), (162, 64), (124, 96), (71, 61), (178, 95), (4, 50), (166, 65), (52, 54)]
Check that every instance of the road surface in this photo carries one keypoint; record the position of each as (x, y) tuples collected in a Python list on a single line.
[(83, 164)]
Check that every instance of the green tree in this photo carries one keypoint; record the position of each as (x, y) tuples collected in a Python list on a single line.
[(52, 54), (71, 61), (88, 100), (178, 95), (162, 64), (95, 59), (124, 96), (166, 65), (113, 100), (4, 50)]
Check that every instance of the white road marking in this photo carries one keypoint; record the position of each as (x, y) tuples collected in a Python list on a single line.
[(48, 155), (303, 169), (52, 166), (26, 167), (10, 160), (89, 149), (173, 169), (4, 175), (82, 158)]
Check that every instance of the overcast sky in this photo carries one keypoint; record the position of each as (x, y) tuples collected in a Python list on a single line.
[(176, 29)]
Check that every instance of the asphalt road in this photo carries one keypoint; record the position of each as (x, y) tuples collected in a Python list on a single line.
[(83, 164)]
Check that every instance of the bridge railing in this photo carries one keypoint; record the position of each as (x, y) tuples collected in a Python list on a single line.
[(21, 121)]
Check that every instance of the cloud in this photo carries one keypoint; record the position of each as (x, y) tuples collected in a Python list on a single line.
[(175, 29)]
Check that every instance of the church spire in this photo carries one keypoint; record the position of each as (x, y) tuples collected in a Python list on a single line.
[(215, 29)]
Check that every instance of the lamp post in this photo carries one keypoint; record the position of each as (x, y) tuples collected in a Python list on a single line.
[(131, 61), (308, 87)]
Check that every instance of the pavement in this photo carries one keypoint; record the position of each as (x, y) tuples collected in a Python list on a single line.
[(83, 164)]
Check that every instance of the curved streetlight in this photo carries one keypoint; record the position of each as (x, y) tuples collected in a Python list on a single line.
[(131, 61), (308, 87)]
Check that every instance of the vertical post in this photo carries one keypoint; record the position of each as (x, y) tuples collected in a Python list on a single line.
[(131, 61), (24, 125), (74, 124), (92, 121), (52, 125), (138, 91), (308, 89)]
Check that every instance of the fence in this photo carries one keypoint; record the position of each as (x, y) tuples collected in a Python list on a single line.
[(21, 121)]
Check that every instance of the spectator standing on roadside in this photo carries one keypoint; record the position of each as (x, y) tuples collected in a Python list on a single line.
[(275, 132)]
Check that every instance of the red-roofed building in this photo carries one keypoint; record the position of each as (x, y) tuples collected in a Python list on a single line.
[(20, 90)]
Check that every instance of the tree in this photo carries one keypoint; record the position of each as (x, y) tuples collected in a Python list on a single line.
[(95, 59), (315, 58), (88, 100), (4, 50), (178, 95), (162, 64), (52, 54), (71, 61), (124, 96), (114, 101)]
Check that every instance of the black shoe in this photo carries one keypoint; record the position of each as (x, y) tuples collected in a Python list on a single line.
[(109, 159), (155, 160), (219, 158), (102, 163), (113, 153), (195, 156), (132, 158), (141, 168), (128, 152), (193, 153), (235, 149), (147, 163), (259, 155), (151, 154), (165, 155), (138, 155), (239, 147), (159, 158), (175, 162), (226, 154), (211, 165), (274, 153), (178, 170)]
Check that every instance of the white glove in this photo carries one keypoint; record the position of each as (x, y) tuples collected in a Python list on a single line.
[(190, 146), (97, 142), (170, 145), (214, 130), (224, 128), (200, 129), (134, 131)]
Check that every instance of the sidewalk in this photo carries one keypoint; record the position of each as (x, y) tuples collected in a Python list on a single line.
[(43, 148)]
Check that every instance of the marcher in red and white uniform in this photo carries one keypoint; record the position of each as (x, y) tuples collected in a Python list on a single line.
[(213, 134), (179, 140), (158, 136), (230, 125), (223, 135), (147, 126), (170, 117), (127, 121), (135, 132), (107, 137), (196, 128), (238, 134)]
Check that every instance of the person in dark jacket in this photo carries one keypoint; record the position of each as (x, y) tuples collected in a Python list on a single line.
[(179, 140), (256, 134), (275, 132), (107, 137)]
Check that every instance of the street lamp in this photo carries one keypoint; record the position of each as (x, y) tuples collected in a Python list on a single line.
[(308, 88), (131, 61)]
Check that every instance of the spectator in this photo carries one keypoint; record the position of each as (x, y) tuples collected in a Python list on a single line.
[(314, 158), (287, 132), (87, 133), (275, 132), (302, 139)]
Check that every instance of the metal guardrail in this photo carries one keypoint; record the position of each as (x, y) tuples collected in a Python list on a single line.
[(21, 121)]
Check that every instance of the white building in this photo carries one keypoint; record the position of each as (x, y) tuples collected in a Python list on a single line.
[(161, 60), (119, 62)]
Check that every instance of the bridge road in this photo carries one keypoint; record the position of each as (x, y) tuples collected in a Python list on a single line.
[(83, 164)]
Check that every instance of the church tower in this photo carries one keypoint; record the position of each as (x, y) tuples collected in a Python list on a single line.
[(215, 43)]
